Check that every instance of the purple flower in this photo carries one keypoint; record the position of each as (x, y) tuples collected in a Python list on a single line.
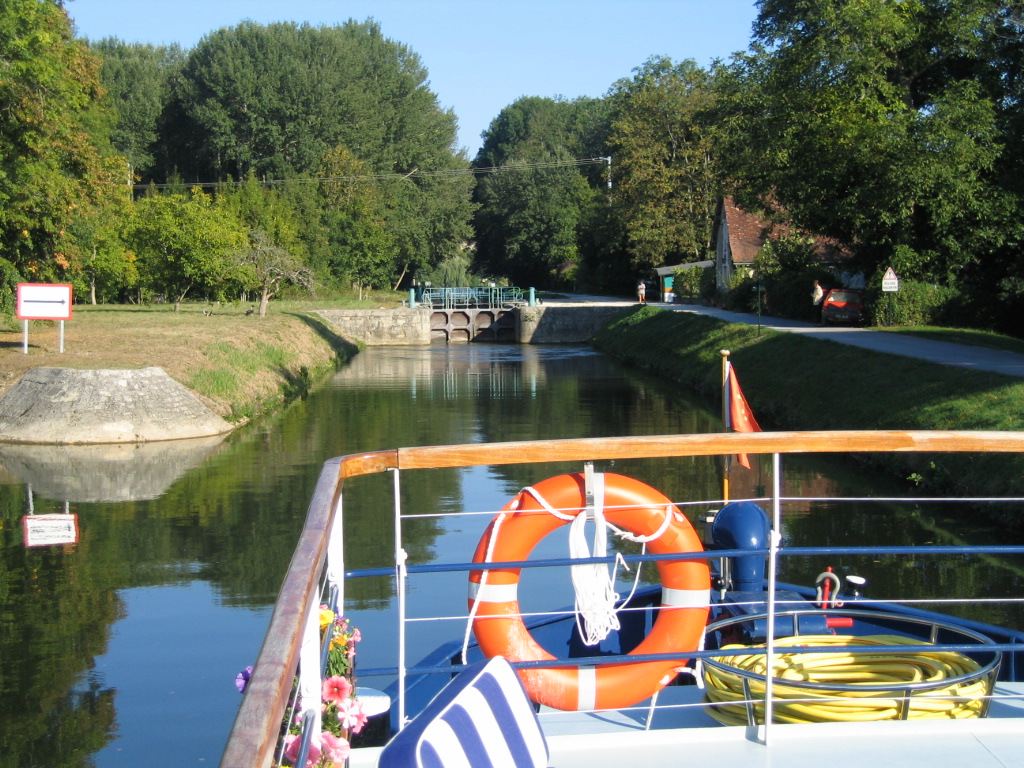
[(242, 679)]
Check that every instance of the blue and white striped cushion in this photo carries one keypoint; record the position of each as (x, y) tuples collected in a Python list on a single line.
[(482, 719)]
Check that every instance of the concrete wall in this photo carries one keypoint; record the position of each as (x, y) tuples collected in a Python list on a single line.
[(563, 325), (533, 325), (381, 327)]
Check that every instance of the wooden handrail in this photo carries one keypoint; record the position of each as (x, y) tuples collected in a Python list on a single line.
[(257, 725), (661, 446), (256, 728)]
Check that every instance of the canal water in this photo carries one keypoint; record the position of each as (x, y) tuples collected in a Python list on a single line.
[(121, 647)]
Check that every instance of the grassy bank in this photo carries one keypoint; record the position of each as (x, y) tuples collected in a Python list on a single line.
[(793, 382), (240, 365)]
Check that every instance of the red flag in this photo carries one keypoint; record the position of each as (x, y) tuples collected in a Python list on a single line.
[(738, 413)]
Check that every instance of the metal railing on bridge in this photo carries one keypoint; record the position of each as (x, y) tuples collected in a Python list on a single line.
[(487, 297)]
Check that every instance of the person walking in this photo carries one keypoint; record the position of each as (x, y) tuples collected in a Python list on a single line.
[(641, 292), (817, 294)]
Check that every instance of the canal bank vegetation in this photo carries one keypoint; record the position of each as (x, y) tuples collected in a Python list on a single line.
[(793, 382), (239, 364)]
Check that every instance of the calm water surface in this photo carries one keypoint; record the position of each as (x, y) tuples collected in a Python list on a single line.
[(122, 649)]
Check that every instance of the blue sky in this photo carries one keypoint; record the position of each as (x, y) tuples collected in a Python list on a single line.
[(481, 55)]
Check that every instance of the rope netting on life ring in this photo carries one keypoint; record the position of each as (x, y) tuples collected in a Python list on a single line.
[(596, 601), (946, 684)]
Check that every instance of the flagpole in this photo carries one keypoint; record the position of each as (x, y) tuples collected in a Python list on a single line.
[(725, 420)]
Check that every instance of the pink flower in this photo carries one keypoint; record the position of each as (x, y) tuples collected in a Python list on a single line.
[(335, 748), (291, 750), (336, 689), (351, 715)]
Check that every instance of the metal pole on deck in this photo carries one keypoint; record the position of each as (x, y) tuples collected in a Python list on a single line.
[(400, 592), (773, 563), (725, 420)]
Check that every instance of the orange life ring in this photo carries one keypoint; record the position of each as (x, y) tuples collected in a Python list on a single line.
[(628, 504)]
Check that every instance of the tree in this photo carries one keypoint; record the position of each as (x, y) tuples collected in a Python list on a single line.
[(271, 267), (102, 265), (275, 100), (363, 249), (272, 99), (137, 78), (534, 196), (665, 180), (49, 163), (529, 223), (877, 124), (183, 242)]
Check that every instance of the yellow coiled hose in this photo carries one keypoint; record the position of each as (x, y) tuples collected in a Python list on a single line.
[(796, 704)]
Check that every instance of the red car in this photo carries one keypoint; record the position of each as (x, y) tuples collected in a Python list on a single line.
[(842, 305)]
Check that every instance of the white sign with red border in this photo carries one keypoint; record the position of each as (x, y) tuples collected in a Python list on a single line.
[(890, 282), (50, 530), (44, 301)]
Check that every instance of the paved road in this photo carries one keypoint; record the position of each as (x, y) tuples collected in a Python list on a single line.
[(976, 358), (960, 355)]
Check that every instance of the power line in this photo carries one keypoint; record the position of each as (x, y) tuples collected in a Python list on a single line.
[(515, 166)]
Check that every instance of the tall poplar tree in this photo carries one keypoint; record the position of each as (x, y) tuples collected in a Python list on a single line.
[(534, 200), (137, 78), (664, 177)]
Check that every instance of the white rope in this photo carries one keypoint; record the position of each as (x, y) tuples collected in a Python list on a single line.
[(593, 584)]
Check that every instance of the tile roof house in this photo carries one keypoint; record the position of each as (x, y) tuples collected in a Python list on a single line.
[(738, 236)]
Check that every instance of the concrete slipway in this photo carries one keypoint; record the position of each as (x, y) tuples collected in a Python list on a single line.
[(66, 406)]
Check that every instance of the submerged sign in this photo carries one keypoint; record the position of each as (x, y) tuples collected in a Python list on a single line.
[(50, 530)]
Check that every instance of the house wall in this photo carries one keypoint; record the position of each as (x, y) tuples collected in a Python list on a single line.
[(723, 256)]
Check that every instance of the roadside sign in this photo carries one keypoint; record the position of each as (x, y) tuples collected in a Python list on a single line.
[(890, 282), (44, 301)]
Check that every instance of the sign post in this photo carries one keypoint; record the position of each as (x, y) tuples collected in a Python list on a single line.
[(44, 301), (890, 284)]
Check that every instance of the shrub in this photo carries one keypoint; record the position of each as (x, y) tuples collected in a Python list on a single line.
[(913, 304), (689, 283)]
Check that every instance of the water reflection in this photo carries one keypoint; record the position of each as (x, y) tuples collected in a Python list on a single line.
[(105, 473), (126, 646)]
